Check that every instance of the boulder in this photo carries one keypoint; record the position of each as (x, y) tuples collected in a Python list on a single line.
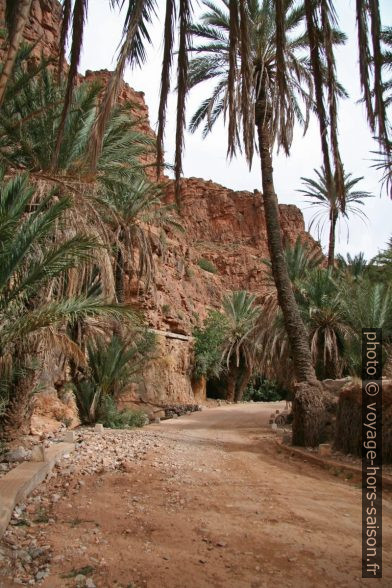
[(17, 455)]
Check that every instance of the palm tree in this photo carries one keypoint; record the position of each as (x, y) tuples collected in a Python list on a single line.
[(383, 159), (321, 309), (225, 344), (270, 108), (353, 268), (34, 260), (386, 38), (241, 313), (275, 359), (367, 303), (383, 163), (28, 122), (134, 211), (300, 259), (111, 367), (382, 263), (32, 106), (330, 207)]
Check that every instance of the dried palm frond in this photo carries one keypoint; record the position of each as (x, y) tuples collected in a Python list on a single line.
[(184, 16), (65, 22), (315, 58), (247, 111), (371, 62), (132, 51), (78, 21), (232, 77), (170, 18)]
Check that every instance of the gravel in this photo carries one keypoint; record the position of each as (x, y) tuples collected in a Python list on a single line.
[(24, 555)]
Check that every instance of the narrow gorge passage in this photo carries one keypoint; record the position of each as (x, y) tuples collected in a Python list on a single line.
[(214, 503)]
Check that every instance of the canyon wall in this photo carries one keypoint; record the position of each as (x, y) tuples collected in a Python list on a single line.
[(220, 226)]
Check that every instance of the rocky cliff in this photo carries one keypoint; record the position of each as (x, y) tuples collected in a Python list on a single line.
[(225, 227), (223, 231)]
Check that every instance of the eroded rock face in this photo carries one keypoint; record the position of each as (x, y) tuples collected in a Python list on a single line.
[(224, 227), (228, 229), (42, 28), (50, 413), (166, 379)]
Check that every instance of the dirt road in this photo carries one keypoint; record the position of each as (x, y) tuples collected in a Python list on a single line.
[(217, 504)]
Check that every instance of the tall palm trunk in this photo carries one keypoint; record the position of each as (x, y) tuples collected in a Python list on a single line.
[(308, 405), (16, 34), (119, 276), (332, 236), (232, 376), (242, 384)]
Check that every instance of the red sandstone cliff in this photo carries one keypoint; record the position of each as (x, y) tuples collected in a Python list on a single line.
[(228, 229)]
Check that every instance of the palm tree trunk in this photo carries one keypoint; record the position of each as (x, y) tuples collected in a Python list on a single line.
[(295, 327), (231, 382), (308, 409), (16, 419), (14, 43), (331, 245), (240, 389), (119, 277)]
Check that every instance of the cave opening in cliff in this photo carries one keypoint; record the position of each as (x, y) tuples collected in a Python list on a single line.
[(216, 388)]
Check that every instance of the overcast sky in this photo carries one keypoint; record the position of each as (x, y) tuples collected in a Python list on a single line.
[(206, 158)]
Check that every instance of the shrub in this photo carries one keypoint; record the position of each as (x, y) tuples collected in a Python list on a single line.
[(209, 341), (87, 399), (113, 418), (207, 265), (166, 309), (264, 391)]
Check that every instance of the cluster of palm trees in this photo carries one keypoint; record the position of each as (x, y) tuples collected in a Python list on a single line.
[(68, 238), (274, 61), (335, 304), (249, 337)]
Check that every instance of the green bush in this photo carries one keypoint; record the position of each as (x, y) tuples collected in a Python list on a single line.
[(209, 341), (264, 391), (113, 418), (207, 265)]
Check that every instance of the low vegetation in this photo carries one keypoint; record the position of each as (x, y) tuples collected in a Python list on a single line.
[(260, 390), (111, 367), (207, 265)]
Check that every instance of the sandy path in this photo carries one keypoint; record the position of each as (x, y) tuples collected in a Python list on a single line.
[(219, 506)]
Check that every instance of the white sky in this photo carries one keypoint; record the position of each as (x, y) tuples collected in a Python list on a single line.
[(207, 158)]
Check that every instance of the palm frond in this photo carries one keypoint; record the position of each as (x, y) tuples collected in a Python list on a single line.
[(135, 32), (78, 21), (170, 17)]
